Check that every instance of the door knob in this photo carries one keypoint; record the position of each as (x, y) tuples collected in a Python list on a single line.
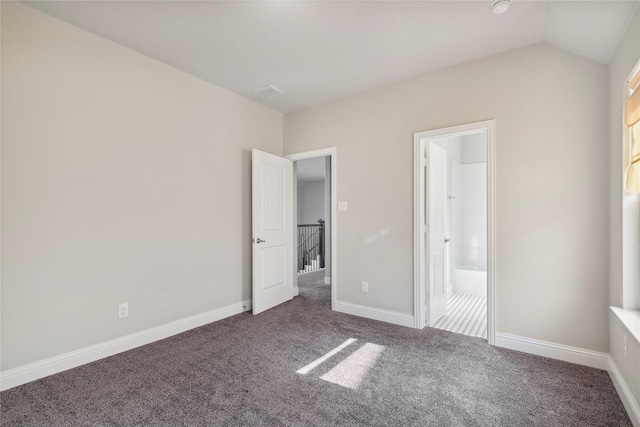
[(446, 240), (259, 240)]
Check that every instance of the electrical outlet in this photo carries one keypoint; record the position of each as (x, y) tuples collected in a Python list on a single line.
[(123, 310), (365, 286), (624, 346)]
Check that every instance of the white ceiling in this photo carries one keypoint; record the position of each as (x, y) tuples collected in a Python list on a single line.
[(316, 51)]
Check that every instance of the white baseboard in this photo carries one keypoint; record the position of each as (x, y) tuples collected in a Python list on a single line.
[(375, 313), (327, 280), (296, 291), (43, 368), (580, 356), (628, 400)]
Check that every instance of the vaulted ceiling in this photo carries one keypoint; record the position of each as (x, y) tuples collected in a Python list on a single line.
[(316, 51)]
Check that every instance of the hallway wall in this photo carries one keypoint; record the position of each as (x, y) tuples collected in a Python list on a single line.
[(310, 202)]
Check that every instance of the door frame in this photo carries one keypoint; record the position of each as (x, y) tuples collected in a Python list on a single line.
[(421, 141), (332, 153)]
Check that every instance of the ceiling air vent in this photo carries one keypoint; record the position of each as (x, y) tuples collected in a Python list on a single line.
[(269, 92)]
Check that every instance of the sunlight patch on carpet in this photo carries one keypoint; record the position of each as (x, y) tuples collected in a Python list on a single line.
[(353, 370), (319, 361)]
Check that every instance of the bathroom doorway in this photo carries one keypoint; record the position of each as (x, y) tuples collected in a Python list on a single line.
[(454, 229)]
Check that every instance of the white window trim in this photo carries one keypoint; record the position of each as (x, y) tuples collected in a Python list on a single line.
[(630, 220)]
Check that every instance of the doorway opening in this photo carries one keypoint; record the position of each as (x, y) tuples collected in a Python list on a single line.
[(454, 229), (313, 223), (314, 226), (312, 208)]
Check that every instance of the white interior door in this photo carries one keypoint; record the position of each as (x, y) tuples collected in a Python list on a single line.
[(436, 232), (272, 229)]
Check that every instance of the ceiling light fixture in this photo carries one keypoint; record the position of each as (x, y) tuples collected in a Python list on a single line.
[(500, 6)]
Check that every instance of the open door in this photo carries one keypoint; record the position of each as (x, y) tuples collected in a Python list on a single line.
[(272, 230), (436, 237)]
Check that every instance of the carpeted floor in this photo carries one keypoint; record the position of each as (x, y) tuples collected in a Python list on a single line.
[(313, 289), (301, 364)]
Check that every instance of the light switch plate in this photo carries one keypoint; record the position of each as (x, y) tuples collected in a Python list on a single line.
[(123, 310), (342, 206)]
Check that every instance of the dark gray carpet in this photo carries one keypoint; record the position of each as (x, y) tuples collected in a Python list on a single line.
[(242, 372), (313, 289)]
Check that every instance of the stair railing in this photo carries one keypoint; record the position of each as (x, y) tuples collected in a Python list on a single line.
[(310, 246)]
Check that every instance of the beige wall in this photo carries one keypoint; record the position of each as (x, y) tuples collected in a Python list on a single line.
[(552, 173), (626, 56), (123, 180)]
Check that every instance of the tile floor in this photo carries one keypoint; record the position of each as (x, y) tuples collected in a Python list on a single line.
[(466, 314)]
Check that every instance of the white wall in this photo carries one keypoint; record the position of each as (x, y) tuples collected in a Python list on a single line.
[(551, 185), (474, 148), (123, 180), (310, 202), (627, 54), (472, 227)]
